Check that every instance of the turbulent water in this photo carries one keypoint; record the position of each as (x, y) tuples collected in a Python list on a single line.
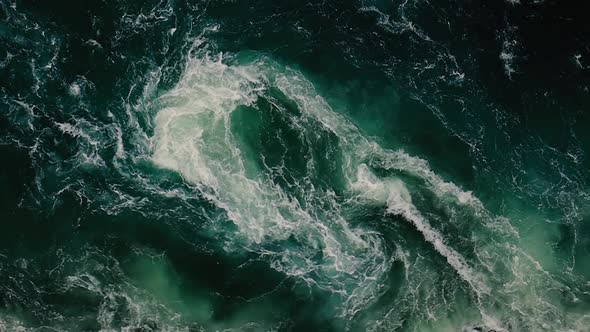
[(294, 165)]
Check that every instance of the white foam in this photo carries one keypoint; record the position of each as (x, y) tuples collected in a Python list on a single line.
[(360, 148), (399, 202), (193, 137), (120, 153), (74, 90), (508, 56), (12, 324), (89, 140)]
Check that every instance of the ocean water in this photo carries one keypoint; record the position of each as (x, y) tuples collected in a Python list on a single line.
[(237, 165)]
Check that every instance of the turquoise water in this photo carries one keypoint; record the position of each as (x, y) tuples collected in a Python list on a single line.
[(291, 166)]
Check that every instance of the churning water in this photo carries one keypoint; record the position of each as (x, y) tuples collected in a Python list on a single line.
[(294, 166)]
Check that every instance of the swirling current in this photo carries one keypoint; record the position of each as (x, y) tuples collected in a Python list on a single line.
[(255, 165)]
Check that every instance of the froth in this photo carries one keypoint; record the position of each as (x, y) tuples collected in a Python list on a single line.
[(193, 137)]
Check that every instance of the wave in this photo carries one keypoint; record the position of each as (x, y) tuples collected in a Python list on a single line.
[(193, 136), (306, 230)]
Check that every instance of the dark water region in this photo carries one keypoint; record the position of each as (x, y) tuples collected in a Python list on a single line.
[(294, 165)]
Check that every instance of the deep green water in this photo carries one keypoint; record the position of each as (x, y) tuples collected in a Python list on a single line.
[(294, 166)]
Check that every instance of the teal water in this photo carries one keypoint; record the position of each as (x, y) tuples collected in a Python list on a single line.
[(294, 166)]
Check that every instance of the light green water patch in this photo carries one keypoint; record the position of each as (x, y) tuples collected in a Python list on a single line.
[(154, 274)]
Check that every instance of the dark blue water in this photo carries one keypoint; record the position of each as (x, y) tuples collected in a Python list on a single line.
[(294, 166)]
